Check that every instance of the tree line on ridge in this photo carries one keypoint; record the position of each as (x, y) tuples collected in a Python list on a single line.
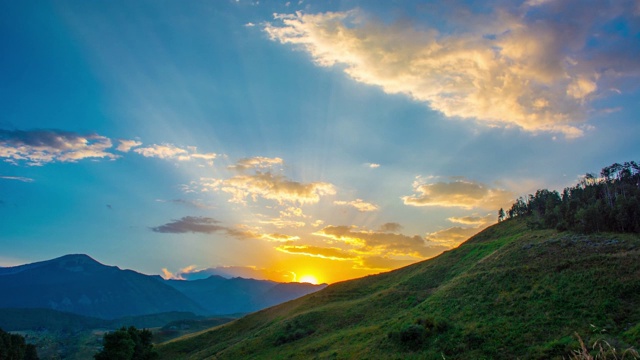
[(606, 203)]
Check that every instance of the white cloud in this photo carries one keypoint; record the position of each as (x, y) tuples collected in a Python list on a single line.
[(39, 147), (164, 151), (172, 152), (126, 145), (513, 69), (18, 178)]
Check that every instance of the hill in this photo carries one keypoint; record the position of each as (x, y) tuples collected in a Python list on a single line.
[(508, 292)]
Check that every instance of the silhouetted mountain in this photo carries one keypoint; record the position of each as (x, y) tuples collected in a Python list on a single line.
[(81, 285), (227, 296), (78, 284)]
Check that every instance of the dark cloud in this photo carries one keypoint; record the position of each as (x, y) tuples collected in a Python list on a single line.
[(390, 227), (191, 224), (205, 225)]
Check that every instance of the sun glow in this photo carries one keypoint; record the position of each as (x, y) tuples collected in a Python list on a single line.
[(308, 279)]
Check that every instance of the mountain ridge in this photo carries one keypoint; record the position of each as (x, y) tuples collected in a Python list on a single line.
[(79, 284)]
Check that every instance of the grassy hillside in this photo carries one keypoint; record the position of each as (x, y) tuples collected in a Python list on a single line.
[(507, 292)]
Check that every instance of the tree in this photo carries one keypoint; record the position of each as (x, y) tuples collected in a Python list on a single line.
[(14, 347), (127, 344), (501, 215)]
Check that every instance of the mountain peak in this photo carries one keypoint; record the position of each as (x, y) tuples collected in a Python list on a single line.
[(77, 263)]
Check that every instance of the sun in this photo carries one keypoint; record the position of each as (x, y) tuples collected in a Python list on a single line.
[(308, 279)]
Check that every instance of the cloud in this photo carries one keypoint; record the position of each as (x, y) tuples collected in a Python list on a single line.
[(282, 223), (191, 224), (207, 225), (39, 147), (390, 227), (18, 178), (317, 251), (172, 152), (369, 242), (258, 162), (126, 145), (248, 272), (358, 204), (280, 237), (460, 193), (535, 67), (372, 165), (265, 184), (273, 187), (473, 220), (453, 236)]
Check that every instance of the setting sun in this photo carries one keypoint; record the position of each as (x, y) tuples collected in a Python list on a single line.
[(308, 279)]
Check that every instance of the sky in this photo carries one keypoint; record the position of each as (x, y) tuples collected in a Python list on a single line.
[(300, 140)]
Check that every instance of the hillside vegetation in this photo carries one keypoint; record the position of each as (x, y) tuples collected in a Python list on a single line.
[(508, 292)]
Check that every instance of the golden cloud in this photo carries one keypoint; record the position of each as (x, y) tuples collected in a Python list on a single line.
[(257, 162), (317, 251), (453, 236), (368, 242), (172, 152), (358, 204), (508, 70), (458, 193), (273, 187)]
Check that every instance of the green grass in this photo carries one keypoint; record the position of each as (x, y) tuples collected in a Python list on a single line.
[(509, 292)]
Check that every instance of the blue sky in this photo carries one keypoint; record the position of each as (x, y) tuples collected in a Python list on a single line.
[(281, 139)]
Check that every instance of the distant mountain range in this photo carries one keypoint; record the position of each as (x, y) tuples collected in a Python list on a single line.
[(79, 284)]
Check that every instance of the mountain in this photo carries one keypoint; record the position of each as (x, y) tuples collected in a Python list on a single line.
[(508, 292), (219, 296), (79, 284)]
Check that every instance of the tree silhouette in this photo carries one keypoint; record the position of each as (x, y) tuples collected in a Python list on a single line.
[(14, 347), (127, 344), (610, 202)]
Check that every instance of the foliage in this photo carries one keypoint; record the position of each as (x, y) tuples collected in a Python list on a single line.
[(413, 336), (293, 331), (127, 344), (610, 203), (14, 347), (601, 350)]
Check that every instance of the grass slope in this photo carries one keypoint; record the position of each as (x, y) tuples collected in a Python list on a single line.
[(506, 293)]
